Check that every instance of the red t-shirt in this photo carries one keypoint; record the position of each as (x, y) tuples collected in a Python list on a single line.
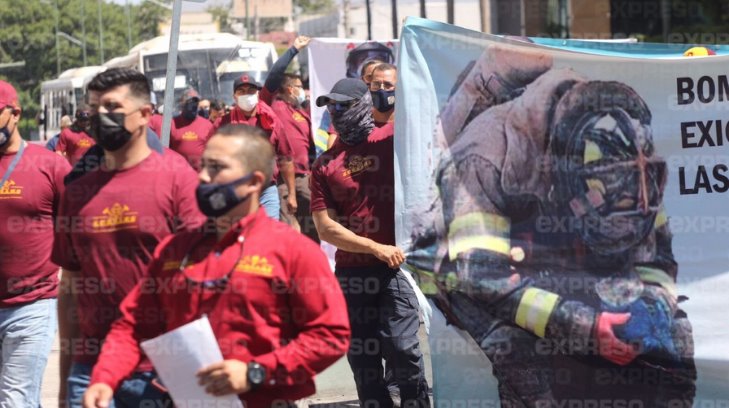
[(28, 202), (266, 120), (74, 144), (282, 306), (155, 123), (188, 138), (296, 125), (358, 183), (108, 226)]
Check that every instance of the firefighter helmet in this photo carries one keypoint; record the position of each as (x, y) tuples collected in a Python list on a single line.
[(606, 175), (364, 52)]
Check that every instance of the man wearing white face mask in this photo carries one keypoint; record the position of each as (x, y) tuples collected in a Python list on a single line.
[(296, 123), (249, 110)]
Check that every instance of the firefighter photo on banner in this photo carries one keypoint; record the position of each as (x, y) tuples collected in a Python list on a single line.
[(546, 232)]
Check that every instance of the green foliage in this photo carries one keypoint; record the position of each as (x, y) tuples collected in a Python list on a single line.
[(27, 33), (221, 14)]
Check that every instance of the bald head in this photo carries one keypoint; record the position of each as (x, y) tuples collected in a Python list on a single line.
[(253, 149)]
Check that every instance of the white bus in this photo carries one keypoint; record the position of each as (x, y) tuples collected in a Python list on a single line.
[(62, 96), (209, 63)]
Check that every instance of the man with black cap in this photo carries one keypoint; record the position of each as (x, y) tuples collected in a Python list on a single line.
[(31, 183), (190, 132), (249, 110), (352, 203), (74, 142)]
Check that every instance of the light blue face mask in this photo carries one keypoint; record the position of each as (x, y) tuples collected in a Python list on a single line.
[(301, 96)]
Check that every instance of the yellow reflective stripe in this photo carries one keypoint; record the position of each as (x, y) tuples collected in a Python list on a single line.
[(479, 230), (534, 309), (489, 243), (657, 276), (661, 219), (427, 281), (321, 138), (592, 152)]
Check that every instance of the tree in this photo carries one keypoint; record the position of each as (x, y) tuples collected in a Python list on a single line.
[(28, 33), (221, 15)]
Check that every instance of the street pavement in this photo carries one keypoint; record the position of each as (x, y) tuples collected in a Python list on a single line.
[(335, 386)]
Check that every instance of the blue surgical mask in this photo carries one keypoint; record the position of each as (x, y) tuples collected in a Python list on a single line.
[(215, 200)]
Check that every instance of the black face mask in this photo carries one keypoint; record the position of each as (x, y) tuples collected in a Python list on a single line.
[(5, 134), (215, 200), (205, 113), (383, 100), (189, 110), (108, 130)]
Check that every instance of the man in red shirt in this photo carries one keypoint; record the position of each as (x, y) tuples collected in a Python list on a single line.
[(249, 110), (352, 202), (297, 129), (190, 132), (271, 299), (73, 142), (109, 223), (31, 183)]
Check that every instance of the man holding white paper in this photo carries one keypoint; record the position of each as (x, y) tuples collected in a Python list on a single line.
[(275, 308)]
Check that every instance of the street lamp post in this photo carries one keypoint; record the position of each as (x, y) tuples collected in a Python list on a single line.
[(129, 25), (58, 52), (83, 28), (101, 36)]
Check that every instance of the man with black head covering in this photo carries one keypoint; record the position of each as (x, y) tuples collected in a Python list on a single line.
[(74, 141), (352, 203), (189, 132)]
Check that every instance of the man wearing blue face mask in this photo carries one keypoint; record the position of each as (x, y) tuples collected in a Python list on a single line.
[(190, 132), (272, 301), (352, 204), (382, 88)]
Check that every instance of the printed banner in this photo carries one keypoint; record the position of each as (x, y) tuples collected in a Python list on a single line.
[(564, 207), (331, 59)]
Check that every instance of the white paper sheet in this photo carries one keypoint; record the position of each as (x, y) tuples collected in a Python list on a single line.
[(178, 355)]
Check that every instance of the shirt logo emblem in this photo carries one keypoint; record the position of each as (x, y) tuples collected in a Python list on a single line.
[(84, 143), (255, 265), (356, 165), (115, 218), (10, 190), (189, 136), (298, 117)]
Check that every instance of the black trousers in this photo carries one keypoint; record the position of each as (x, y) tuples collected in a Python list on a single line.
[(383, 313)]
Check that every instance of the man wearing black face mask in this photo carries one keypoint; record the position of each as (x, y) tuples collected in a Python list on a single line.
[(109, 223), (267, 291), (382, 88), (352, 203), (74, 142), (190, 132), (203, 108)]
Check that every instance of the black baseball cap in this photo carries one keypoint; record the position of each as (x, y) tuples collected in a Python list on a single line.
[(245, 79), (345, 90)]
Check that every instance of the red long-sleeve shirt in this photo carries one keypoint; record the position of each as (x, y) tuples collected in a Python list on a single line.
[(282, 306)]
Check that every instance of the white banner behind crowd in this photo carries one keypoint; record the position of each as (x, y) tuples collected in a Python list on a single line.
[(567, 211)]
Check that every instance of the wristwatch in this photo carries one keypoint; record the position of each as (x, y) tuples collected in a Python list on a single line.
[(256, 374)]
